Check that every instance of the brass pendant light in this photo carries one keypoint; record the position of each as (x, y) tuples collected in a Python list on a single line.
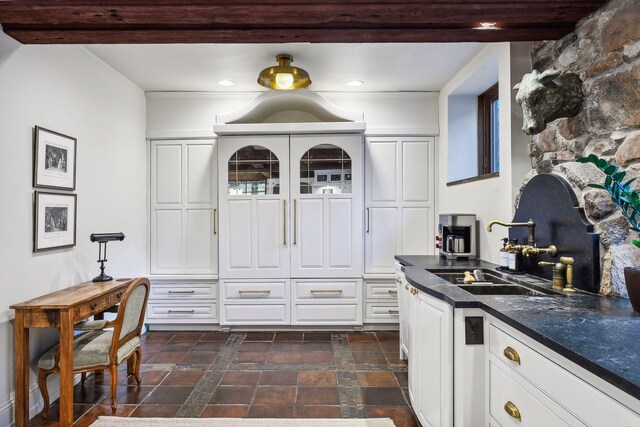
[(284, 76)]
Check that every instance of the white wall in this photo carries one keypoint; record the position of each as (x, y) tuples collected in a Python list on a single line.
[(491, 198), (66, 89), (172, 114), (463, 137)]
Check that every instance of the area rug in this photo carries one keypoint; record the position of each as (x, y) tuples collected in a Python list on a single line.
[(241, 422)]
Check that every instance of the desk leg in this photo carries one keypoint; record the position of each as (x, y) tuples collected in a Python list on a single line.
[(21, 370), (66, 369)]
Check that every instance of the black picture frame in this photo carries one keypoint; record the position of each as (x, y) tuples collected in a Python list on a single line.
[(54, 160), (54, 220)]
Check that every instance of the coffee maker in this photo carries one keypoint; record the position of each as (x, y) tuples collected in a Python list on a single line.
[(457, 236)]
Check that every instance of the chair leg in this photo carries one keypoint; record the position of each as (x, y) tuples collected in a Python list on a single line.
[(42, 384), (131, 364), (83, 377), (113, 368), (138, 354)]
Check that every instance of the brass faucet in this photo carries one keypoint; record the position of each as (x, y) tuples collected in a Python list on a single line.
[(558, 273), (565, 264), (532, 250), (531, 224)]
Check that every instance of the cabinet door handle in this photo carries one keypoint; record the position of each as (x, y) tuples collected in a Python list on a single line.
[(182, 311), (398, 281), (326, 291), (511, 354), (251, 291), (512, 410), (182, 292), (215, 222), (295, 221), (284, 221), (394, 312), (393, 292), (368, 220)]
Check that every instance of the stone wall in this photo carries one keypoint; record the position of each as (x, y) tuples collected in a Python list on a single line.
[(604, 51)]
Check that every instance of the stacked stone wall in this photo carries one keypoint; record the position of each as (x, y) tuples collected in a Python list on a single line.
[(604, 51)]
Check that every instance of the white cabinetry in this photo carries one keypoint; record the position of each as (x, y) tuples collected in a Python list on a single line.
[(183, 207), (184, 234), (432, 351), (254, 191), (381, 301), (399, 197), (291, 218), (529, 385)]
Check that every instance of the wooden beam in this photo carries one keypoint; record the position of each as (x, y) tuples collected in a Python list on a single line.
[(245, 21)]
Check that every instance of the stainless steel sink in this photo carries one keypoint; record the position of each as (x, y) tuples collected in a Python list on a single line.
[(496, 283), (504, 290)]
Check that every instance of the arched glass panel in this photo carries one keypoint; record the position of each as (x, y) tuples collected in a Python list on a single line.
[(254, 170), (325, 169)]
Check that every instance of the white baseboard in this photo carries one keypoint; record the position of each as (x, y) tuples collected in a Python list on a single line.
[(7, 412)]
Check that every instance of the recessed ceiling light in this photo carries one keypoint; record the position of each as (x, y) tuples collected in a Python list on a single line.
[(355, 83), (226, 82), (487, 26)]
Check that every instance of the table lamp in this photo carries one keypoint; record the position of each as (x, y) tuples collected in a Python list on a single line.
[(102, 239)]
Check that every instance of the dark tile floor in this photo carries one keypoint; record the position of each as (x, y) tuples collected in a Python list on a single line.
[(256, 374)]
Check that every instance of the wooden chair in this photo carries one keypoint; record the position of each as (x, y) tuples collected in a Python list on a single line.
[(99, 349)]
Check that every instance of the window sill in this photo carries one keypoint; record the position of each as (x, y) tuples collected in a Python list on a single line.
[(474, 178)]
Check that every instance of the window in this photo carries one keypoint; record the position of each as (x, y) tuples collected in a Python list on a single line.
[(488, 131), (254, 170), (325, 169)]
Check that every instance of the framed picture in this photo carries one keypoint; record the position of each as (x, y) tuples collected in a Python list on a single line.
[(54, 221), (54, 160)]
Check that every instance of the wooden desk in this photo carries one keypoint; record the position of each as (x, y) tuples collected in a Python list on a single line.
[(60, 309)]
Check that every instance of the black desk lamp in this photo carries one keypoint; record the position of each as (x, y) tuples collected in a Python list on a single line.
[(102, 239)]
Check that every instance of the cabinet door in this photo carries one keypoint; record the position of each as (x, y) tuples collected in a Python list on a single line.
[(434, 351), (403, 305), (254, 196), (326, 192), (412, 331), (184, 186), (398, 199)]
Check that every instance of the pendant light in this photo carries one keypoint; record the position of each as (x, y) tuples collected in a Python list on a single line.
[(284, 76)]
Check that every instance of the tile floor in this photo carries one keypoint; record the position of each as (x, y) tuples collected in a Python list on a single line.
[(256, 374)]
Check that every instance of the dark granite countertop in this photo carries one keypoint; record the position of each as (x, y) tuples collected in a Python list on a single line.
[(604, 333)]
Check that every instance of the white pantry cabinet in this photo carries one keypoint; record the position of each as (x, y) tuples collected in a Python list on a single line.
[(326, 193), (254, 210), (184, 232), (399, 200)]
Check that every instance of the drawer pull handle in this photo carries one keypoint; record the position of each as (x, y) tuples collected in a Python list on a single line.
[(265, 291), (119, 295), (182, 292), (512, 355), (392, 312), (398, 281), (512, 410), (93, 306), (182, 311), (326, 291), (393, 292)]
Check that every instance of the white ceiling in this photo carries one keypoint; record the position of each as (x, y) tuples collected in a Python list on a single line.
[(198, 67)]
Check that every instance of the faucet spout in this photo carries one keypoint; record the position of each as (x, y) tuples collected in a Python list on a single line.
[(530, 224)]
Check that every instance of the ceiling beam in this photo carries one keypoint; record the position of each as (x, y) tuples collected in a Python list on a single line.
[(244, 21)]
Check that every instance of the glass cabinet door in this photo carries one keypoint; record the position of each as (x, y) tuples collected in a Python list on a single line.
[(325, 169)]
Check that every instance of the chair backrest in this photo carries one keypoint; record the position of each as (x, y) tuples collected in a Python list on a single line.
[(128, 322)]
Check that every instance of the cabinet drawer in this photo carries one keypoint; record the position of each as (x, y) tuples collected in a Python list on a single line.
[(504, 390), (326, 314), (183, 291), (381, 290), (254, 290), (381, 312), (177, 313), (254, 314), (324, 290), (580, 398)]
